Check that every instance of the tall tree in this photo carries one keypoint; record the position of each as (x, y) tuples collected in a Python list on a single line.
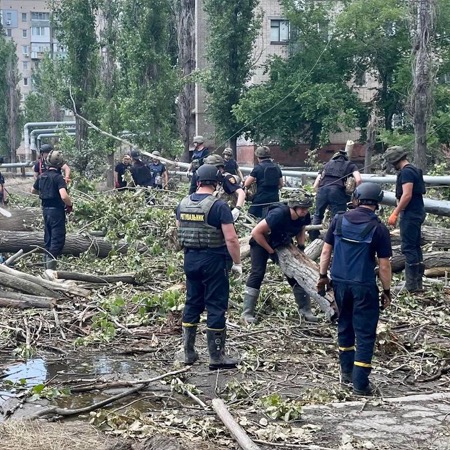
[(232, 29)]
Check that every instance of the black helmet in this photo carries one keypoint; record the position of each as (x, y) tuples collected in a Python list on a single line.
[(368, 194), (135, 154), (301, 201), (208, 174), (55, 159), (214, 160), (46, 148)]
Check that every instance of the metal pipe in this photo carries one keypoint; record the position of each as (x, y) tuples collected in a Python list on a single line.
[(34, 133), (38, 124), (44, 135)]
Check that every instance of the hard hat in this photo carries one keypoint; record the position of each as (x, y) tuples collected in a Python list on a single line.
[(46, 148), (228, 152), (156, 154), (198, 140), (55, 159), (301, 201), (368, 193), (215, 160), (395, 154), (208, 174), (262, 152)]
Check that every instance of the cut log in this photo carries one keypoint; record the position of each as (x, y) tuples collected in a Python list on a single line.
[(437, 272), (120, 277), (23, 304), (438, 236), (21, 219), (25, 285), (297, 265), (75, 243), (431, 260), (25, 297), (314, 249)]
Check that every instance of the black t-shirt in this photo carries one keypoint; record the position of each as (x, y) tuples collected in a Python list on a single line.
[(230, 184), (231, 166), (348, 169), (381, 241), (410, 174), (48, 184), (265, 193), (121, 169), (2, 179), (141, 174), (282, 227)]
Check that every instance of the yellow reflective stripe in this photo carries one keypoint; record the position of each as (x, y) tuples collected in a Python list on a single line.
[(189, 325), (347, 349), (215, 329), (361, 364)]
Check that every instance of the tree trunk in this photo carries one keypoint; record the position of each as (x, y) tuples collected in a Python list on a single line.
[(370, 141), (75, 243), (120, 277), (20, 220), (25, 286), (439, 237), (431, 260), (23, 304), (297, 265)]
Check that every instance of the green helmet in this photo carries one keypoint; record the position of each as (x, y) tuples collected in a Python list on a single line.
[(198, 140), (395, 154), (156, 154), (215, 160), (55, 159), (262, 152), (228, 152), (301, 201)]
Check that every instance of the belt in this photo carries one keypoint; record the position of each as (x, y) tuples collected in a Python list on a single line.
[(198, 250), (51, 207)]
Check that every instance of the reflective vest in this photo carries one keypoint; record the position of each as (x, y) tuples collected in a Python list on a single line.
[(353, 259), (194, 230)]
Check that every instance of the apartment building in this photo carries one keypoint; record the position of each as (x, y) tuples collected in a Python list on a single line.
[(27, 23)]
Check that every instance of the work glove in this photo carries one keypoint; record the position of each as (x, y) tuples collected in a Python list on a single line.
[(385, 299), (274, 257), (301, 247), (323, 284), (69, 209), (235, 213), (237, 269), (117, 185), (392, 221)]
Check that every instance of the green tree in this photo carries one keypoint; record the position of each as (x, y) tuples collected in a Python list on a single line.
[(232, 30)]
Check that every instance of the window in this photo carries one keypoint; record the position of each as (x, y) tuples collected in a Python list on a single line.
[(24, 17), (40, 16), (279, 31), (39, 31), (8, 16), (24, 33), (8, 32), (25, 65), (25, 50), (25, 81)]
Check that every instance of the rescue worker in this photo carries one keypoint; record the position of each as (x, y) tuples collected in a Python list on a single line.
[(40, 166), (199, 154), (231, 165), (52, 190), (281, 224), (230, 186), (354, 238), (330, 186), (140, 171), (2, 190), (160, 177), (207, 234), (269, 180), (120, 170), (409, 190)]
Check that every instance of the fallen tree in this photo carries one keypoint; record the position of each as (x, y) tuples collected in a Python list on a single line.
[(431, 260), (21, 219)]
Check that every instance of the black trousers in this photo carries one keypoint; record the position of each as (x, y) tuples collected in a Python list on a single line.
[(55, 230)]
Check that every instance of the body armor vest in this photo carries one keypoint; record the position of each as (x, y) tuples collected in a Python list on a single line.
[(194, 231)]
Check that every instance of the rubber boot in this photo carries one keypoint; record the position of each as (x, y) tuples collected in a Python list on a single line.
[(412, 277), (216, 348), (420, 276), (346, 360), (361, 384), (190, 354), (248, 310), (49, 262), (303, 301)]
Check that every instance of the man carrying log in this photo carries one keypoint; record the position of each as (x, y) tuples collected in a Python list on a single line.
[(52, 190), (354, 238), (409, 191), (282, 223), (207, 234)]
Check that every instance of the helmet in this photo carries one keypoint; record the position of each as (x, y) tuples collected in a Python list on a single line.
[(368, 194), (208, 174), (198, 140), (55, 159), (228, 152), (46, 148), (156, 154), (395, 154), (301, 201), (135, 154), (262, 152), (215, 160), (340, 154)]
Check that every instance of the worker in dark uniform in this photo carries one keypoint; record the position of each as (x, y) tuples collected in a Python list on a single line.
[(230, 191), (330, 186), (2, 190), (41, 165), (199, 154), (207, 234), (268, 178), (281, 224), (120, 183), (409, 191), (354, 238), (52, 190), (160, 177), (231, 165)]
